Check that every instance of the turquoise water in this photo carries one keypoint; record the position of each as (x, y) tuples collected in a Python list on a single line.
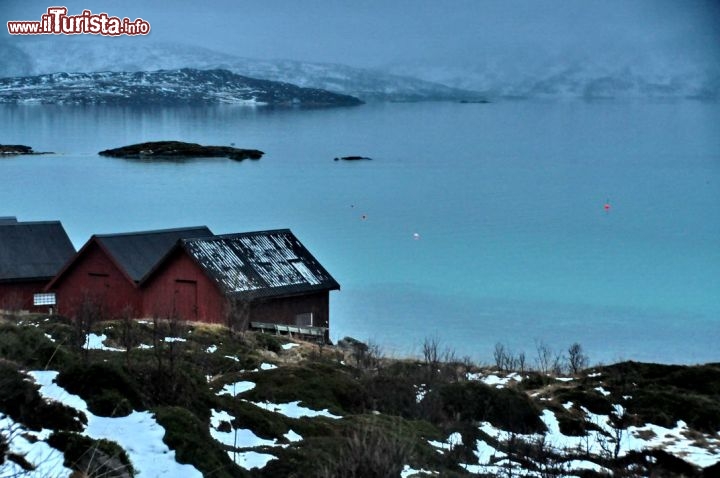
[(475, 224)]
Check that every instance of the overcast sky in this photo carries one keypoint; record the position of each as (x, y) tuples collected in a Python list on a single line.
[(378, 33)]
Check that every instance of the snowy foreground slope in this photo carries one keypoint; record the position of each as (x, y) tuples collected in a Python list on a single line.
[(259, 406), (165, 87)]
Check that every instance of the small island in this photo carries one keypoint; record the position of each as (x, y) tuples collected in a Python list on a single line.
[(353, 158), (180, 149), (17, 149)]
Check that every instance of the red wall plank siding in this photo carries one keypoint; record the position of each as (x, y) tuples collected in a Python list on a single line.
[(181, 289), (94, 275), (19, 295)]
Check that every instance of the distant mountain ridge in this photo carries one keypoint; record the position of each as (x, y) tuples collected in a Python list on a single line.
[(32, 56), (164, 87)]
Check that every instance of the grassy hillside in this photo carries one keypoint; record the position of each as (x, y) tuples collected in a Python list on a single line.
[(258, 405)]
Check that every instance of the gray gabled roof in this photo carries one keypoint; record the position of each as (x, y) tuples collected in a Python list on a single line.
[(260, 264), (137, 252), (33, 250)]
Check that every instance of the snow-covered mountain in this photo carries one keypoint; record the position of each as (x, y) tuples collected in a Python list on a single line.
[(549, 76), (38, 56), (185, 86)]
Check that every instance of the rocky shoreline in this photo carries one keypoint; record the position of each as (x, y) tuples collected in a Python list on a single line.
[(180, 149), (18, 149)]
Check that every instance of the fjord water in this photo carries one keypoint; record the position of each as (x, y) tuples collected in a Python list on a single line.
[(473, 223)]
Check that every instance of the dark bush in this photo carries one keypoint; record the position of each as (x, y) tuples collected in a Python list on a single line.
[(594, 401), (665, 408), (268, 342), (99, 383), (182, 387), (316, 384), (191, 440), (109, 403), (504, 408), (98, 457), (20, 400), (534, 381), (30, 347), (390, 394), (263, 423)]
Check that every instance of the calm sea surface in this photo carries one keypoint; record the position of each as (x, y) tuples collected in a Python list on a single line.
[(474, 224)]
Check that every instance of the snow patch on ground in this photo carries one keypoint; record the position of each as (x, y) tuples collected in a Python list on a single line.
[(407, 472), (495, 380), (235, 389), (138, 433), (251, 459), (420, 392), (95, 342), (452, 441), (602, 391), (289, 346), (211, 350), (672, 440), (239, 438), (294, 410), (47, 460)]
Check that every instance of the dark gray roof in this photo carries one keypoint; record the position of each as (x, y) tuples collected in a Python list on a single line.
[(138, 252), (260, 264), (33, 250), (8, 220)]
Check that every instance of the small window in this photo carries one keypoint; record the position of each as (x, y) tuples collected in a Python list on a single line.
[(304, 320)]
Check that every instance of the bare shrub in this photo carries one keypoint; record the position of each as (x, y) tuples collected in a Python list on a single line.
[(367, 356), (237, 314), (547, 360), (577, 360), (506, 361), (128, 334), (521, 362), (500, 356), (431, 354), (442, 364), (89, 312), (369, 451)]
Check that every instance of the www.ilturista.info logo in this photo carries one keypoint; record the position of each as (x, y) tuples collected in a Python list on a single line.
[(57, 22)]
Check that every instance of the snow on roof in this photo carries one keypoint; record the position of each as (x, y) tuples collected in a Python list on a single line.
[(260, 264)]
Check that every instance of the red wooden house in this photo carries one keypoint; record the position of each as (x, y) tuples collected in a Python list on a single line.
[(31, 253), (108, 268), (267, 277)]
